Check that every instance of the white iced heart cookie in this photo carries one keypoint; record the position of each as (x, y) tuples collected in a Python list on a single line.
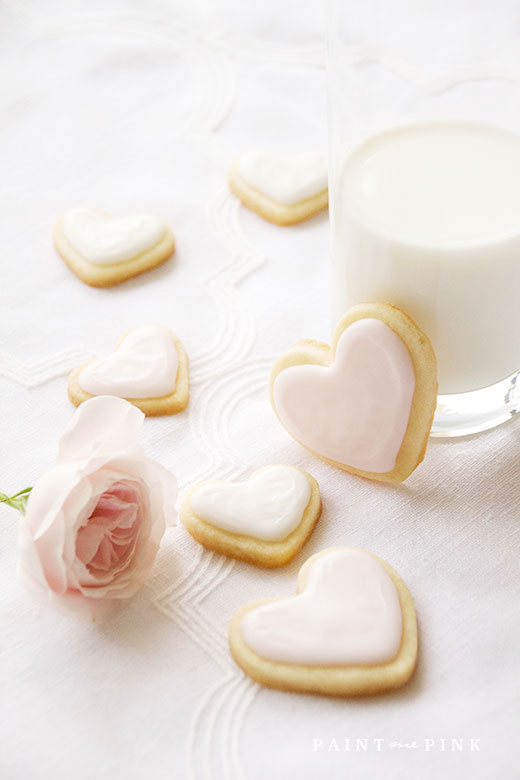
[(282, 189), (149, 368), (103, 250), (268, 506), (350, 630), (265, 520), (105, 240), (144, 365), (287, 180), (365, 405)]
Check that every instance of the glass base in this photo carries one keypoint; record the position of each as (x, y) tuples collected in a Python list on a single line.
[(461, 414)]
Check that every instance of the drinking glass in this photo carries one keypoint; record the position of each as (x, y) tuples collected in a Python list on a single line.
[(424, 186)]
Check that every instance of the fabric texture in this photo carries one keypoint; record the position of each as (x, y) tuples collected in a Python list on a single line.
[(131, 107)]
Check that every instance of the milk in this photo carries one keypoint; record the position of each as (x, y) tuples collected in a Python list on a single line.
[(427, 217)]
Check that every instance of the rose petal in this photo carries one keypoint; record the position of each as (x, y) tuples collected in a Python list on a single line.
[(111, 512), (57, 497), (104, 558), (88, 540), (103, 425)]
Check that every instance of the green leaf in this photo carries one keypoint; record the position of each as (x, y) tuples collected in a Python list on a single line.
[(18, 501)]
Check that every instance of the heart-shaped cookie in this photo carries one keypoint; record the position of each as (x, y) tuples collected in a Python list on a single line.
[(265, 520), (282, 189), (103, 251), (365, 405), (350, 630), (149, 368)]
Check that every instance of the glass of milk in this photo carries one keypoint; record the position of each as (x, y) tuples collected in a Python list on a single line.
[(424, 121)]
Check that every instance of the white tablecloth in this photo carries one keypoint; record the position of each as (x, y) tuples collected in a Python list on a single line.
[(142, 106)]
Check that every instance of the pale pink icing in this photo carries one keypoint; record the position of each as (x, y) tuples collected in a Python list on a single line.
[(348, 613), (356, 411)]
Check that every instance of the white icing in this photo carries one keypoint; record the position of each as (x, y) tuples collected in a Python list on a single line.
[(101, 239), (269, 506), (287, 180), (348, 613), (144, 365)]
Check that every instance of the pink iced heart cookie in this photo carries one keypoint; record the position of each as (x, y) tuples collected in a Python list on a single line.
[(366, 404), (350, 630)]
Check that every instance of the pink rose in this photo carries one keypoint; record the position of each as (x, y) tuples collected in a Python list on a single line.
[(94, 522)]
